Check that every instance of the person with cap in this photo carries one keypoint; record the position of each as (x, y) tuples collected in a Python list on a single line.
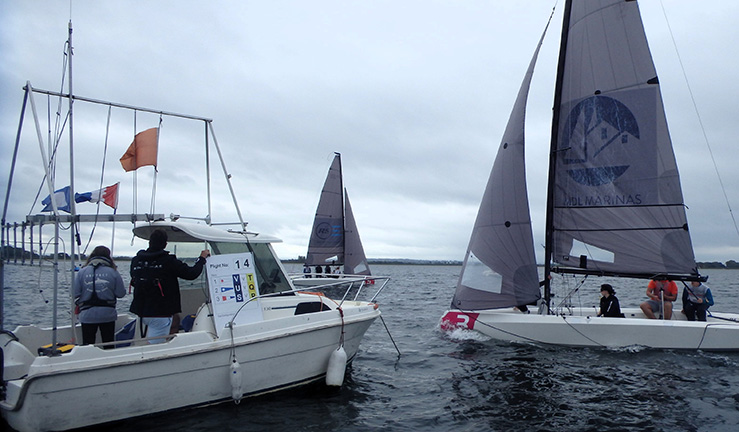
[(609, 306), (156, 295)]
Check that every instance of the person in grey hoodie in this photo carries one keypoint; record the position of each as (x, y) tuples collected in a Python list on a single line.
[(96, 288)]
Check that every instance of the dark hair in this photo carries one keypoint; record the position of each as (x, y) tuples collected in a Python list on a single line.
[(158, 240), (608, 288), (101, 251)]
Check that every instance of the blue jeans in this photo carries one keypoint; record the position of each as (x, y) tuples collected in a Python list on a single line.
[(157, 326)]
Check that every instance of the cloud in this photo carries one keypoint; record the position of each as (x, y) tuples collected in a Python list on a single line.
[(414, 94)]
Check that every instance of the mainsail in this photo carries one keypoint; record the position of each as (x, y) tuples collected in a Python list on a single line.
[(499, 269), (335, 238), (616, 206)]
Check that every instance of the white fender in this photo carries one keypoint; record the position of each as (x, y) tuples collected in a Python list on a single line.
[(336, 368), (235, 371)]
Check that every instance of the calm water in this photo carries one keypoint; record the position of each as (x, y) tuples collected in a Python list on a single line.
[(463, 382)]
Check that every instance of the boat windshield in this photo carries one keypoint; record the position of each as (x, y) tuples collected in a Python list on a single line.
[(270, 276)]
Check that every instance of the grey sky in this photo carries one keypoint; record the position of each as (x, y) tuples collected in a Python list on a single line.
[(414, 94)]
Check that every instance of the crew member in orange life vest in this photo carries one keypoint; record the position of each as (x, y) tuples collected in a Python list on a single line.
[(659, 290)]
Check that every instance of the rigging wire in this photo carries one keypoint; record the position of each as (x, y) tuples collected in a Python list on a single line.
[(43, 257), (100, 186), (156, 170), (58, 128), (700, 120), (134, 181)]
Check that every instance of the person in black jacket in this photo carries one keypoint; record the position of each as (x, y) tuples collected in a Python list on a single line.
[(609, 306), (156, 295)]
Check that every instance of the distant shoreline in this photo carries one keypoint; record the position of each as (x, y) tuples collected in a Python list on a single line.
[(18, 254), (391, 261)]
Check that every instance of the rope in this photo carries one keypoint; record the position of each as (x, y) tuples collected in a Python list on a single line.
[(102, 178), (341, 339), (135, 175), (53, 152), (564, 318), (341, 314), (700, 122), (734, 320), (391, 336), (703, 336), (156, 170), (44, 253)]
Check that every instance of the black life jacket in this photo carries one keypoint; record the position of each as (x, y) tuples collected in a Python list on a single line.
[(94, 300), (147, 275)]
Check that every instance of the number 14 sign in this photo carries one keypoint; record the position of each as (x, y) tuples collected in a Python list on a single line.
[(232, 282)]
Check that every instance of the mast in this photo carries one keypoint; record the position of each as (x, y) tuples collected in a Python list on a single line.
[(553, 151), (343, 210)]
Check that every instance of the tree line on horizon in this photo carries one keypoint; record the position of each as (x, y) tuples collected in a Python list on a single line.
[(9, 253)]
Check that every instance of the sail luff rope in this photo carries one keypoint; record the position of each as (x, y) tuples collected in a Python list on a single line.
[(554, 143), (700, 120)]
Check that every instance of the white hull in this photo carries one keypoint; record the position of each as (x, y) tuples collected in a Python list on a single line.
[(282, 351), (583, 328)]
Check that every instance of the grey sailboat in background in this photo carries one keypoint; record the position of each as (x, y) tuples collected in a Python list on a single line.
[(334, 240), (614, 203)]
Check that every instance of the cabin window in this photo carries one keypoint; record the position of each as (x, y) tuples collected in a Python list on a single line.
[(188, 252)]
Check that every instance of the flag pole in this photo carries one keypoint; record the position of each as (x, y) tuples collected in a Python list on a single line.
[(72, 208), (112, 236)]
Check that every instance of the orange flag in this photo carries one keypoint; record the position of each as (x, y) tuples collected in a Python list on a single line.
[(142, 151)]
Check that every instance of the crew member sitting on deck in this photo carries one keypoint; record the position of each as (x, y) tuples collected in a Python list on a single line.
[(609, 306), (660, 292), (696, 301)]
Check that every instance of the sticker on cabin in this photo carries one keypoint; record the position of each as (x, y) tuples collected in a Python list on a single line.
[(234, 289)]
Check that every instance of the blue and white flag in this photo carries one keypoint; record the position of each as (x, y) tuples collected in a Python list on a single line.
[(61, 198)]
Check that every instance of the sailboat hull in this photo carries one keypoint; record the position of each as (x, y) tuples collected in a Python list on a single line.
[(193, 369), (583, 328)]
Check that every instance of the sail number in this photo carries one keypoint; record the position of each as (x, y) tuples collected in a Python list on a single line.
[(454, 320)]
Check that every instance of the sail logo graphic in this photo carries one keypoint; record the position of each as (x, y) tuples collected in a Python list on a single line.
[(454, 320), (593, 132), (323, 230)]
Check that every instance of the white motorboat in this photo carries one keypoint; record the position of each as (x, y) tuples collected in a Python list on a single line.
[(289, 345), (614, 204), (238, 340)]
